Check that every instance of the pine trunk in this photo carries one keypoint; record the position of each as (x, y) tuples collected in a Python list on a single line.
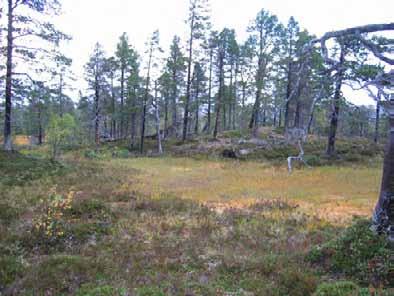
[(383, 217), (377, 121), (189, 71), (8, 87)]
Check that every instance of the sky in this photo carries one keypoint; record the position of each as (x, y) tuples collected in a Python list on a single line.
[(91, 21)]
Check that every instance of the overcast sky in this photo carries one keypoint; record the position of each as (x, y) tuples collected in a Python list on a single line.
[(91, 21)]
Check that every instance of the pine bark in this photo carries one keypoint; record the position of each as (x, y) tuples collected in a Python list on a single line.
[(8, 87), (383, 217), (189, 71)]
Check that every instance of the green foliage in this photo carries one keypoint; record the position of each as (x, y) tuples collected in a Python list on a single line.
[(342, 288), (313, 160), (91, 154), (232, 134), (296, 282), (150, 291), (89, 208), (61, 274), (65, 221), (10, 268), (358, 253), (8, 213), (121, 153), (59, 133), (106, 290), (18, 169)]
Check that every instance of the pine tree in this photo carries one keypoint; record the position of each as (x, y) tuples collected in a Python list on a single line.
[(23, 23), (197, 21), (95, 74), (176, 69)]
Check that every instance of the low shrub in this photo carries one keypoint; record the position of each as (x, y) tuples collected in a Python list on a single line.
[(106, 290), (8, 213), (92, 154), (359, 254), (10, 268), (296, 282), (59, 275), (341, 288)]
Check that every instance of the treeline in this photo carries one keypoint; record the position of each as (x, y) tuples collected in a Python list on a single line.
[(206, 84)]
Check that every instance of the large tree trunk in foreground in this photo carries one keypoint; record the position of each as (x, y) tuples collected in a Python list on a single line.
[(8, 83), (383, 216), (377, 121)]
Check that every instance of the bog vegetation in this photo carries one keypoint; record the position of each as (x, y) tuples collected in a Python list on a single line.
[(172, 173)]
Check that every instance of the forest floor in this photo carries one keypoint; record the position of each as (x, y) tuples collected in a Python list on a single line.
[(112, 224)]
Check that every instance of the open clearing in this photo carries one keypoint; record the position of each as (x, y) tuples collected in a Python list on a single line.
[(333, 193), (180, 226)]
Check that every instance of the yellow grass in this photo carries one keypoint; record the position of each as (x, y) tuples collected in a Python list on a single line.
[(334, 193)]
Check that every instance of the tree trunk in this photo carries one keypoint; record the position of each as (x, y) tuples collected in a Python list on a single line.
[(40, 129), (254, 121), (243, 123), (97, 112), (275, 118), (157, 118), (297, 115), (189, 71), (133, 120), (288, 93), (144, 103), (220, 95), (8, 83), (113, 122), (235, 95), (336, 101), (230, 101), (377, 121), (196, 127), (259, 81), (311, 118), (280, 117), (61, 103), (224, 120), (383, 217), (209, 92), (166, 116), (122, 100)]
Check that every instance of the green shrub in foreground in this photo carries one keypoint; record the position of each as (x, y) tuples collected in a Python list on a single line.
[(359, 254)]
